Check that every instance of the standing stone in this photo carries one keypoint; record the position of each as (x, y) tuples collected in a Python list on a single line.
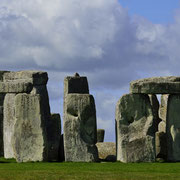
[(80, 131), (8, 124), (173, 127), (54, 130), (135, 129), (163, 112), (100, 135), (1, 124), (155, 107), (161, 145), (30, 138)]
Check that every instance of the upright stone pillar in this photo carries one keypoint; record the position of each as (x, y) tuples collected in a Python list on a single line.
[(29, 139), (27, 116), (80, 131), (173, 127), (135, 129), (100, 135)]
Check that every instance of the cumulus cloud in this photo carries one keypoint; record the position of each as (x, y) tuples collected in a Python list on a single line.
[(96, 38)]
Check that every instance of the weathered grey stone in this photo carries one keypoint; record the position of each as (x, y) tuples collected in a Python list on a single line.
[(8, 124), (106, 151), (100, 135), (30, 138), (156, 85), (155, 107), (61, 149), (135, 129), (173, 127), (80, 132), (163, 107), (1, 74), (161, 145), (18, 86), (54, 135), (76, 84), (34, 77), (162, 126)]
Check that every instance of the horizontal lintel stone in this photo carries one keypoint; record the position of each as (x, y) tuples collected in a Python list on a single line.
[(156, 85)]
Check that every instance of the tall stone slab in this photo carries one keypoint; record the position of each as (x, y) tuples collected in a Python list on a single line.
[(8, 124), (80, 131), (173, 127), (100, 135), (54, 137), (30, 136), (135, 129), (155, 107)]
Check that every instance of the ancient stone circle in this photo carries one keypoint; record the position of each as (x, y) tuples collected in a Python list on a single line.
[(145, 130)]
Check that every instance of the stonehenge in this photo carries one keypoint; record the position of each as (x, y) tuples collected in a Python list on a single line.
[(145, 129)]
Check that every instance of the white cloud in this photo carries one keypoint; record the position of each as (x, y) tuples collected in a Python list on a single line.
[(96, 38)]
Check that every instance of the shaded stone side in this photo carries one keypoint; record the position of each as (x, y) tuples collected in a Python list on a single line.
[(156, 85), (54, 137), (161, 145), (106, 151), (80, 131), (100, 135), (30, 138), (173, 127), (155, 107), (135, 129), (8, 124)]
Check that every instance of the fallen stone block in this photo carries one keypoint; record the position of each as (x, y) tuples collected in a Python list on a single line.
[(80, 131), (135, 129), (106, 151), (156, 85)]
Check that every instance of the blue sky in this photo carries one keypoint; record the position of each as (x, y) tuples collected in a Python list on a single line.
[(157, 11), (111, 42)]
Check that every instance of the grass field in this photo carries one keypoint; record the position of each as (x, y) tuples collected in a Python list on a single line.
[(10, 170)]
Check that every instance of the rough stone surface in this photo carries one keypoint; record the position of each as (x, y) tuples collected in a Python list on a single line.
[(54, 131), (163, 107), (2, 74), (106, 151), (161, 145), (162, 126), (155, 107), (173, 127), (61, 149), (34, 77), (100, 135), (30, 138), (1, 123), (135, 129), (76, 84), (156, 85), (18, 86), (80, 131), (8, 124)]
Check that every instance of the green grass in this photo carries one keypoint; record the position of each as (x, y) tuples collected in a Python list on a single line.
[(10, 170)]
